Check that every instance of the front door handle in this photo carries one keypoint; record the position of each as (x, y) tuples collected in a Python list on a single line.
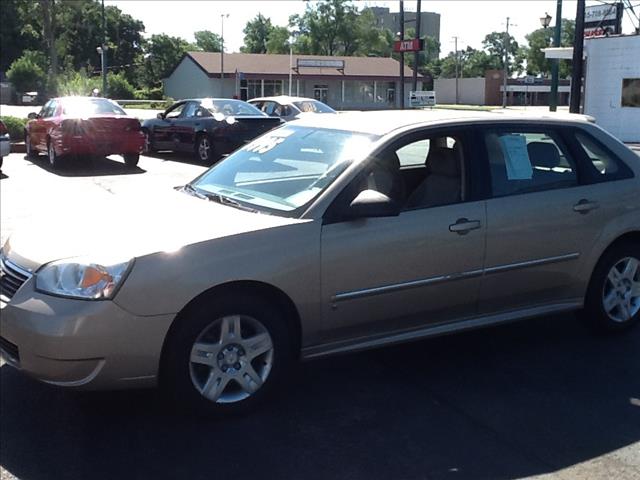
[(585, 206), (464, 226)]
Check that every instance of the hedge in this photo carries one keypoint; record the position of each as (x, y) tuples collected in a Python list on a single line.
[(15, 126)]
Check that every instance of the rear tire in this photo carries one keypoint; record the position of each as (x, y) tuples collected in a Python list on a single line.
[(245, 352), (204, 150), (54, 158), (612, 303), (131, 159)]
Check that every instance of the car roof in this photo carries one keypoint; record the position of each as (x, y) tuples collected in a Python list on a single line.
[(383, 122), (283, 99)]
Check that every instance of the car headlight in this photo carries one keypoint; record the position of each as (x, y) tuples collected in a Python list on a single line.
[(80, 278)]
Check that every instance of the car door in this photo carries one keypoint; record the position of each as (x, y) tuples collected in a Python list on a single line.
[(422, 267), (38, 127), (183, 128), (542, 220), (162, 133)]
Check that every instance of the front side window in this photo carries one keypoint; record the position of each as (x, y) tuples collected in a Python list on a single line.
[(285, 169), (524, 162), (191, 109), (313, 106), (175, 111), (230, 107)]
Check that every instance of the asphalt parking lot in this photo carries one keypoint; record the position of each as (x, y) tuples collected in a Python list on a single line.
[(544, 398)]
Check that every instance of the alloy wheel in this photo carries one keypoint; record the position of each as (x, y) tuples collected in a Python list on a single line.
[(52, 154), (204, 147), (621, 292), (231, 359)]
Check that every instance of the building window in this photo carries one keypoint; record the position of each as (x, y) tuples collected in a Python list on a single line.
[(391, 95), (320, 93), (631, 92), (254, 89), (273, 88)]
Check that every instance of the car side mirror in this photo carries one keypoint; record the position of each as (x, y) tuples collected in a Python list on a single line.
[(160, 116), (370, 204), (33, 116)]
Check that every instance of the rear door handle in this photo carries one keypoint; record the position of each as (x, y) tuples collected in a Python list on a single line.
[(464, 226), (585, 206)]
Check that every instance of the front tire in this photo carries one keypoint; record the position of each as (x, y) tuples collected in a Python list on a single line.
[(226, 356), (613, 297), (131, 159), (30, 152)]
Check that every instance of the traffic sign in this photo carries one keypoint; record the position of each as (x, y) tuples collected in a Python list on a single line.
[(422, 98)]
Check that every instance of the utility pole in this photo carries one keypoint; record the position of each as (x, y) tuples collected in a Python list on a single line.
[(104, 52), (416, 61), (506, 66), (457, 71), (401, 55), (222, 16), (553, 98), (578, 45)]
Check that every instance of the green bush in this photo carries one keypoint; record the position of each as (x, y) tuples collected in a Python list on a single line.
[(26, 75), (119, 87), (15, 126), (149, 94), (73, 83)]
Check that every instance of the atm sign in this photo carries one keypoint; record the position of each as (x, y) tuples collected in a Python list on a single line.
[(414, 45)]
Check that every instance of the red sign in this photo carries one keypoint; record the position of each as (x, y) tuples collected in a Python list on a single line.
[(414, 45)]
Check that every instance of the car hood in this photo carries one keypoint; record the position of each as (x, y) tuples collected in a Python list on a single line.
[(129, 228)]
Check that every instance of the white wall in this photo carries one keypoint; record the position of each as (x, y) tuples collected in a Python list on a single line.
[(609, 60), (471, 91), (189, 81)]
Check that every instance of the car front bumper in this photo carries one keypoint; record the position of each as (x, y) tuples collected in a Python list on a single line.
[(77, 343)]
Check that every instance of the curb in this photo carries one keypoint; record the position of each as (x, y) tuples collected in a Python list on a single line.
[(18, 147)]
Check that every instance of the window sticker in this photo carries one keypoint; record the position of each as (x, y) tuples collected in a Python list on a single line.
[(516, 157)]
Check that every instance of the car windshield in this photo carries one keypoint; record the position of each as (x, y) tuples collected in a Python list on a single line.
[(237, 108), (284, 170), (313, 106), (90, 106)]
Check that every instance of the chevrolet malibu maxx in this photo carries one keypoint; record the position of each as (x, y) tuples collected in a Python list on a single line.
[(329, 235)]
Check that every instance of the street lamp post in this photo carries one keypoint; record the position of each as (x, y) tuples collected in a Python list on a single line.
[(290, 62), (553, 97), (103, 53), (222, 17)]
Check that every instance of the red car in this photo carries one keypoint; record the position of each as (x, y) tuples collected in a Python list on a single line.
[(83, 126)]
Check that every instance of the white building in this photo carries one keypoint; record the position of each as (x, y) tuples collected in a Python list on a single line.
[(355, 83), (612, 84)]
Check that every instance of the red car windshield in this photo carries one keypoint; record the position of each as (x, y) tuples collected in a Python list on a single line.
[(82, 107)]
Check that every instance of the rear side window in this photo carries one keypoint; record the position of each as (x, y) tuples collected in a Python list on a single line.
[(602, 164), (524, 162)]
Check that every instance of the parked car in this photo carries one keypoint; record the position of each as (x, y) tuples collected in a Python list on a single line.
[(290, 108), (207, 127), (83, 126), (5, 143), (326, 236)]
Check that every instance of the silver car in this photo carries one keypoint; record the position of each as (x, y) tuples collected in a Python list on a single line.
[(329, 235)]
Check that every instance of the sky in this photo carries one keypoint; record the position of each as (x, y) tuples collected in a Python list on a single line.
[(469, 20)]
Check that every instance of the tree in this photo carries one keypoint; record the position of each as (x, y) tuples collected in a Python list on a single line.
[(163, 54), (26, 74), (208, 41), (256, 35), (328, 27), (278, 41), (537, 64), (19, 30), (494, 45)]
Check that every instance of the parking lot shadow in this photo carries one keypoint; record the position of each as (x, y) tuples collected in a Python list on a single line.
[(180, 157), (509, 402), (86, 167)]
